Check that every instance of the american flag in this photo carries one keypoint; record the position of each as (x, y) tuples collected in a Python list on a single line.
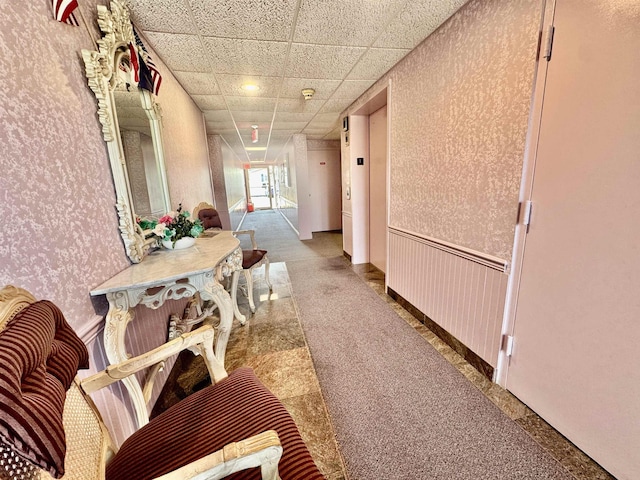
[(63, 11), (155, 78), (135, 62)]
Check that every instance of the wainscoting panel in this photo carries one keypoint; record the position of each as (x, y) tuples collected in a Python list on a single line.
[(460, 291), (147, 331)]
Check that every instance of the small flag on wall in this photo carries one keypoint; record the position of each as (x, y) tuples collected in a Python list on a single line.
[(150, 78), (135, 62), (63, 11)]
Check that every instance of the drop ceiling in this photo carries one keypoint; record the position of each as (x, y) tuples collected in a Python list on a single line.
[(338, 48)]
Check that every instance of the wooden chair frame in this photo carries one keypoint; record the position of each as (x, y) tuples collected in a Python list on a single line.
[(248, 273), (263, 450)]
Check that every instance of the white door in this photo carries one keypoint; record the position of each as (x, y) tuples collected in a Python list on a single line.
[(325, 189), (378, 188), (576, 358)]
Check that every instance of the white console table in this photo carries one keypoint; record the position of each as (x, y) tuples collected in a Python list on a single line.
[(165, 275)]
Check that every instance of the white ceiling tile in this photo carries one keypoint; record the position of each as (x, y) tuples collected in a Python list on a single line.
[(218, 116), (263, 20), (215, 46), (336, 106), (220, 131), (375, 63), (246, 57), (289, 125), (253, 117), (417, 21), (293, 117), (324, 120), (161, 16), (220, 127), (299, 105), (179, 51), (209, 102), (232, 85), (248, 104), (285, 132), (292, 87), (316, 130), (343, 22), (317, 61), (352, 89), (198, 83)]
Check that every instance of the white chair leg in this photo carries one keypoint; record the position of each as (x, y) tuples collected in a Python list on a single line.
[(266, 273), (249, 278)]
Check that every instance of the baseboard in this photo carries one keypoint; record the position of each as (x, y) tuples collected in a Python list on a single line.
[(347, 256), (474, 359)]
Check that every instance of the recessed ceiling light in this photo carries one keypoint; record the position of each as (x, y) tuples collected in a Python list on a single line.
[(250, 87)]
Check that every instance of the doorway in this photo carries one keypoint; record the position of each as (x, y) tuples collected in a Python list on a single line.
[(378, 189), (261, 188)]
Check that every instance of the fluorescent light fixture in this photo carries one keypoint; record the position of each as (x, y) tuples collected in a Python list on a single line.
[(250, 87), (255, 149)]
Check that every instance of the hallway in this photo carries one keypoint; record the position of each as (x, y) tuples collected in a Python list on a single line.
[(274, 345)]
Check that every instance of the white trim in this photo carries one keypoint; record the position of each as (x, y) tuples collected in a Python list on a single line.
[(90, 330), (475, 256), (347, 214), (288, 221), (526, 187)]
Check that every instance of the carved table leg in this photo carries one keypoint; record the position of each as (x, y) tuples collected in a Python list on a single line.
[(234, 298), (117, 319)]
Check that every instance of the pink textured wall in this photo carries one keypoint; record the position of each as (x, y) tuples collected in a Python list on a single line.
[(459, 109), (59, 234)]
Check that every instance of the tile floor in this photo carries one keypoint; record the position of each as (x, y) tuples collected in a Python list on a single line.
[(273, 344)]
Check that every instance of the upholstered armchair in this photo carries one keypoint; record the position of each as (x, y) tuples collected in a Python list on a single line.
[(251, 259), (49, 427)]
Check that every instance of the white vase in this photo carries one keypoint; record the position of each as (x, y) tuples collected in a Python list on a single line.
[(184, 242)]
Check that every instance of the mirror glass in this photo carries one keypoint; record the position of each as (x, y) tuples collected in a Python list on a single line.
[(131, 128), (144, 171)]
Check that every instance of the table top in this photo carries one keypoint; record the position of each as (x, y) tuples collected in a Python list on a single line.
[(163, 266)]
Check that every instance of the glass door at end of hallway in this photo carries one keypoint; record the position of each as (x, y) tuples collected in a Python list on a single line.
[(261, 188)]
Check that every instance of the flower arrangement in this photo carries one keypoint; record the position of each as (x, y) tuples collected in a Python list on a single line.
[(173, 226)]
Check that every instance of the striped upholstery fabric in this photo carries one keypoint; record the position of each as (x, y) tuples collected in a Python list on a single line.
[(233, 409), (39, 358)]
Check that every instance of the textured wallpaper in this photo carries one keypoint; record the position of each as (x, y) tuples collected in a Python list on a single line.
[(459, 111), (59, 229), (59, 236), (185, 146)]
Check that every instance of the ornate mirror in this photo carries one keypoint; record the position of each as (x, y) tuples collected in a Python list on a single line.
[(131, 127)]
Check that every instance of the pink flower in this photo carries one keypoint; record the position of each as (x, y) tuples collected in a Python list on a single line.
[(167, 219)]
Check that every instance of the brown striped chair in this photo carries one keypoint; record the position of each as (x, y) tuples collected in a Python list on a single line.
[(50, 428)]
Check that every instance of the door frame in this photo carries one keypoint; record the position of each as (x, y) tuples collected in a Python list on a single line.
[(526, 189), (376, 100)]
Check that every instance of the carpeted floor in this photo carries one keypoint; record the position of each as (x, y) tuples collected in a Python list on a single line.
[(400, 410), (402, 404)]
